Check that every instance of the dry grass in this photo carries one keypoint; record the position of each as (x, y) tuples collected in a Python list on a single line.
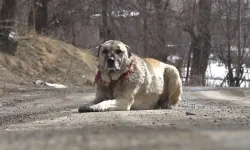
[(50, 60)]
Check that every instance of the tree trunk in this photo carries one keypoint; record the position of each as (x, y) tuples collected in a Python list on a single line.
[(201, 44), (230, 77), (188, 65), (145, 29), (73, 34), (234, 80), (38, 17), (106, 28), (160, 28), (7, 22), (239, 68)]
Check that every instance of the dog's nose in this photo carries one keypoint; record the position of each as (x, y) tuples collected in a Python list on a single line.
[(111, 59)]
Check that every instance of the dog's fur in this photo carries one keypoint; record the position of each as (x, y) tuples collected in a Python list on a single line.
[(147, 84)]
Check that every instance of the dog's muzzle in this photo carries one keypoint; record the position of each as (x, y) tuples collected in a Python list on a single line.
[(112, 64)]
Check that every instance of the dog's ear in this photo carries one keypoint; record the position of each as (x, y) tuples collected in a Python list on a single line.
[(128, 50), (98, 52)]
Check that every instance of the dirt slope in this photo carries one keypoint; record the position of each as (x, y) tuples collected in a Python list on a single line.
[(42, 58)]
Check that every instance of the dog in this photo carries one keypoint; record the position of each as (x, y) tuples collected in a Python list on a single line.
[(127, 82)]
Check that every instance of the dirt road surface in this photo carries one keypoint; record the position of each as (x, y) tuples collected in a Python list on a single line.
[(44, 118)]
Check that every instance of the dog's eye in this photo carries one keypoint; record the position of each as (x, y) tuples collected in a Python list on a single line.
[(118, 51), (105, 51)]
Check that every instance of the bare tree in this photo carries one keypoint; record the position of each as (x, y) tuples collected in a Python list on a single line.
[(229, 36), (239, 68), (160, 26), (106, 30), (145, 16), (38, 16), (7, 22), (201, 42)]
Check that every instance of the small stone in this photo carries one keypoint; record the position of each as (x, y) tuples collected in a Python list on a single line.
[(114, 125), (189, 113), (38, 82), (215, 120)]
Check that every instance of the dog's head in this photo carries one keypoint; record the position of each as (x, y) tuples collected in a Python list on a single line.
[(113, 55)]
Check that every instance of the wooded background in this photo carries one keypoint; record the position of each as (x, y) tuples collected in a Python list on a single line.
[(186, 33)]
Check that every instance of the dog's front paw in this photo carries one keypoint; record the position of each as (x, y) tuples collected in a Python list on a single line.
[(83, 109)]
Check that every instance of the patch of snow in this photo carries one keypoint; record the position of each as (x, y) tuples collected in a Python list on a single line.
[(216, 72), (55, 85), (95, 15), (119, 13), (211, 56), (12, 35), (124, 13), (58, 86), (71, 11), (235, 49), (173, 58), (171, 45), (38, 82)]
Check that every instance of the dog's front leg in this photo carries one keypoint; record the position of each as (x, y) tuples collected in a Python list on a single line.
[(118, 104), (99, 97)]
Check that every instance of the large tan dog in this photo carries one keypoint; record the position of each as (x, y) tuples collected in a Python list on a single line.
[(128, 82)]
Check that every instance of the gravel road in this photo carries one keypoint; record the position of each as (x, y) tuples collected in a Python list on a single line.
[(45, 118)]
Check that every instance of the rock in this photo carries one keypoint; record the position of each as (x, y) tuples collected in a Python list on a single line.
[(189, 113), (39, 82)]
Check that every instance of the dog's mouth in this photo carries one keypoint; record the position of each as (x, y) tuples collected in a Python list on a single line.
[(113, 69), (112, 66)]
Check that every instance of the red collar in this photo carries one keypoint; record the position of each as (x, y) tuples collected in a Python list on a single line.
[(124, 76)]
